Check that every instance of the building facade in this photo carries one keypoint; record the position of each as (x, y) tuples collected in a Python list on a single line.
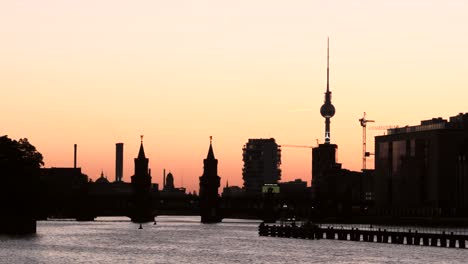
[(262, 160), (423, 170)]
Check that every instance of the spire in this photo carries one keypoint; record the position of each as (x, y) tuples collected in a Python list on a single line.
[(327, 110), (141, 153), (210, 151), (328, 64)]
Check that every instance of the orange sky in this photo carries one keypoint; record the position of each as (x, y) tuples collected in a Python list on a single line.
[(99, 72)]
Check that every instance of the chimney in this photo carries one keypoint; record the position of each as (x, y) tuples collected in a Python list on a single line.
[(118, 162), (164, 178), (74, 156)]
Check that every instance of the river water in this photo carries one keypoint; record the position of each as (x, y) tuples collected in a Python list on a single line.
[(182, 239)]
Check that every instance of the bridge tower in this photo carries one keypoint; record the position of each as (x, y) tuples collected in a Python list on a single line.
[(209, 184), (141, 185)]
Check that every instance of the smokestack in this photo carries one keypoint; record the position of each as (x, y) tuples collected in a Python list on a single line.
[(118, 162), (164, 178), (74, 156)]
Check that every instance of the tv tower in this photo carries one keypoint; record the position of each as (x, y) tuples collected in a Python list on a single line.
[(327, 110)]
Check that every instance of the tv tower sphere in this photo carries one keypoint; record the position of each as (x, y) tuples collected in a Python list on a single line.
[(327, 110)]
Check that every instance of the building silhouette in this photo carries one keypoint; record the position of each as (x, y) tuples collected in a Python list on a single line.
[(61, 192), (118, 162), (102, 179), (336, 191), (169, 182), (67, 193), (232, 191), (141, 180), (262, 160), (293, 188), (208, 193), (141, 185), (323, 161), (324, 156), (423, 170), (169, 189)]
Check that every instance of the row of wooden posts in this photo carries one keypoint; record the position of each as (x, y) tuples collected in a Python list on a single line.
[(410, 237)]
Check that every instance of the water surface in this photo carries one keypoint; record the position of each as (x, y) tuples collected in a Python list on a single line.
[(182, 239)]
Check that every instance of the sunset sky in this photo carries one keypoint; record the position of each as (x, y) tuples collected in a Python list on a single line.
[(96, 73)]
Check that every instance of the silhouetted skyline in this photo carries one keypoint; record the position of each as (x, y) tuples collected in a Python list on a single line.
[(95, 74)]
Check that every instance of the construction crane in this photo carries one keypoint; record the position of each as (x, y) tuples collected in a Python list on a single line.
[(382, 127), (296, 146), (299, 146), (365, 154)]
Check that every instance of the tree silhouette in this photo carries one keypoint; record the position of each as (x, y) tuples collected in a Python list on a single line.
[(20, 164)]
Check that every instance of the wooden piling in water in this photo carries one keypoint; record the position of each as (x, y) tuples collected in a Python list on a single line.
[(443, 240), (357, 235), (354, 234), (425, 240), (379, 236), (385, 236), (452, 240), (461, 242)]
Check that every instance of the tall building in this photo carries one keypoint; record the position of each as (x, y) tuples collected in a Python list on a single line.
[(323, 165), (324, 156), (262, 160), (336, 191), (209, 184), (423, 169), (118, 162)]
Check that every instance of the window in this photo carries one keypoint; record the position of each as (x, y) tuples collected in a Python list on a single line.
[(413, 148), (383, 150), (399, 152)]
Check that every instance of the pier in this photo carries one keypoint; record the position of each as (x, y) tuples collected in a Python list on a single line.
[(424, 237)]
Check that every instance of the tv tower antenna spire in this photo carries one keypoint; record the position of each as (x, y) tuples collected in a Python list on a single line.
[(327, 110), (328, 65)]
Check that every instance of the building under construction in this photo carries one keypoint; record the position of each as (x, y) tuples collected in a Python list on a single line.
[(262, 160)]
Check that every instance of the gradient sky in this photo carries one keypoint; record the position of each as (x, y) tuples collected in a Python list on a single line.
[(99, 72)]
